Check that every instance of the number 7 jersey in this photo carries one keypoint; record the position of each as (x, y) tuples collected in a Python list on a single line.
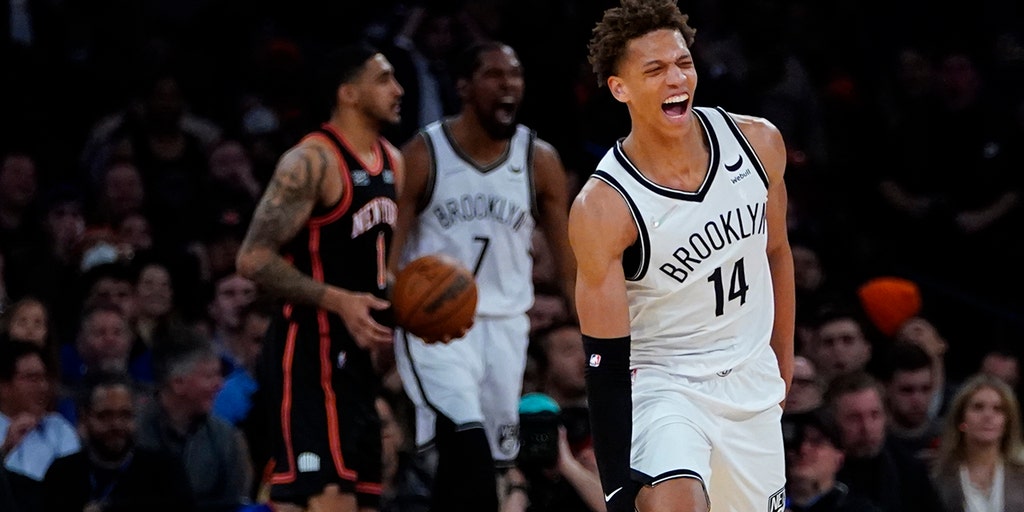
[(697, 278), (481, 215)]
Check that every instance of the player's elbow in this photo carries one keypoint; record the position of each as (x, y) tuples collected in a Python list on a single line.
[(248, 262)]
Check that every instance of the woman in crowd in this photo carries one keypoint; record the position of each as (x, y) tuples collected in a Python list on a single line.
[(980, 467)]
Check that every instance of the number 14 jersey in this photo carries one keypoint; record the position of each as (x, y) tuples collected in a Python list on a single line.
[(697, 278), (481, 215)]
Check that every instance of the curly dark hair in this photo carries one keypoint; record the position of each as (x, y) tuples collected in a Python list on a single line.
[(633, 19)]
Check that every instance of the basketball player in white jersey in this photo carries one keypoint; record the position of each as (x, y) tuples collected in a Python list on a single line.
[(477, 185), (685, 284)]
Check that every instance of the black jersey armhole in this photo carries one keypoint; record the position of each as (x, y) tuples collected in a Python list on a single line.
[(636, 258), (428, 190)]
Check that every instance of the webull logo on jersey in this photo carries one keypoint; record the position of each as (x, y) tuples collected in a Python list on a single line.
[(731, 226), (381, 210), (481, 207)]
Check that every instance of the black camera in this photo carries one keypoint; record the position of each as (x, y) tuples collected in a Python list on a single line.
[(538, 432)]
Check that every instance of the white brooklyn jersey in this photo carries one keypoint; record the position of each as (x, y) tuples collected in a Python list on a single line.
[(482, 216), (697, 278)]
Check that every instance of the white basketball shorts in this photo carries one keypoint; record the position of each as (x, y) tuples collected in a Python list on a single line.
[(688, 428), (475, 380)]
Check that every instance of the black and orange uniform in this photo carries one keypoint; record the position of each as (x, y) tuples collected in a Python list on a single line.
[(321, 383)]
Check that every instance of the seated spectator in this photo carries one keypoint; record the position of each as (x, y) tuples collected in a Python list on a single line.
[(104, 343), (31, 436), (806, 392), (235, 400), (813, 457), (909, 388), (111, 473), (980, 465), (178, 421), (873, 466), (840, 345), (561, 362), (1002, 364), (231, 293), (923, 333), (26, 320)]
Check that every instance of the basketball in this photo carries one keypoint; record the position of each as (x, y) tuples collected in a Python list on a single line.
[(434, 297)]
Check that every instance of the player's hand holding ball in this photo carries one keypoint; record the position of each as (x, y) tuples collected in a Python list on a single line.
[(434, 298)]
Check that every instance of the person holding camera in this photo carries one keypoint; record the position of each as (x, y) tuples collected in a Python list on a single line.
[(549, 476)]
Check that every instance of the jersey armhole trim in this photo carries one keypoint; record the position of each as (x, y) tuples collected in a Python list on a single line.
[(643, 240), (531, 182), (745, 144), (428, 190)]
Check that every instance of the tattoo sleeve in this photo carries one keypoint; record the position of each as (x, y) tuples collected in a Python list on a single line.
[(282, 211)]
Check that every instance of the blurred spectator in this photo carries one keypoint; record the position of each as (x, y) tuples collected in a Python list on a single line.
[(839, 346), (27, 320), (421, 54), (214, 453), (980, 465), (548, 309), (104, 344), (922, 333), (111, 473), (873, 466), (110, 283), (909, 388), (555, 480), (242, 349), (32, 436), (561, 360), (231, 294), (134, 234), (1002, 364), (120, 193), (21, 239), (813, 457), (807, 391)]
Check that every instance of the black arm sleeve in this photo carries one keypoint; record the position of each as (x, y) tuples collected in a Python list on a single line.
[(611, 417)]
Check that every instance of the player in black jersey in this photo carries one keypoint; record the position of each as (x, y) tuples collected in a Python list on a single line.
[(319, 240)]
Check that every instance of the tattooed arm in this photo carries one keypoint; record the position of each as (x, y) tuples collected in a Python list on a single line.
[(297, 186)]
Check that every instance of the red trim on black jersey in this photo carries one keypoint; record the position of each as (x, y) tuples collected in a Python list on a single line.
[(347, 191), (376, 151), (286, 407), (326, 364), (369, 488)]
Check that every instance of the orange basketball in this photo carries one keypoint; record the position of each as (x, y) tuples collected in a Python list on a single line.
[(434, 297)]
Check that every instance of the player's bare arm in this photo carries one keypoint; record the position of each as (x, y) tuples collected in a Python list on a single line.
[(771, 149), (600, 230), (552, 198), (282, 211), (411, 193)]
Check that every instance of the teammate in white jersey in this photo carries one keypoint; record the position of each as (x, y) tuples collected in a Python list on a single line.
[(477, 185), (685, 284)]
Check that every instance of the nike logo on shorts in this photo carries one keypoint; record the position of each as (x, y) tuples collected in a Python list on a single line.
[(608, 497)]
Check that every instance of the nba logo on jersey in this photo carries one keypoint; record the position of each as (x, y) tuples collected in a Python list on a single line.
[(595, 360), (777, 501)]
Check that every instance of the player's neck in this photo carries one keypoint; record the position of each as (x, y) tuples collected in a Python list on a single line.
[(474, 140), (668, 156), (359, 132)]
